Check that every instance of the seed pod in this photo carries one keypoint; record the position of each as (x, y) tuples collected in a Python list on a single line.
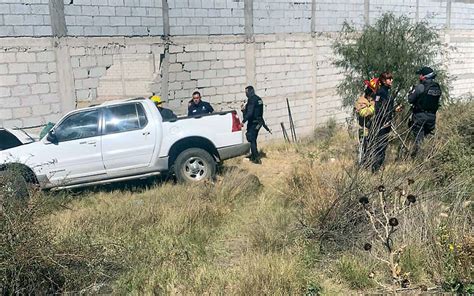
[(367, 246), (410, 181), (405, 283), (411, 198), (364, 200), (393, 222), (381, 188), (423, 288)]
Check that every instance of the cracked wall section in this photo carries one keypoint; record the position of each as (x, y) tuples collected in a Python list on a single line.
[(115, 70)]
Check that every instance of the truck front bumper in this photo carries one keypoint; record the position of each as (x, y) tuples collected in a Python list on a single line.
[(233, 151)]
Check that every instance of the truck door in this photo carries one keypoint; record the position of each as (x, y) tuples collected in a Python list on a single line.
[(128, 139), (77, 153)]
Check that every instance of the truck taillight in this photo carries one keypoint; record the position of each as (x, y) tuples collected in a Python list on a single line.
[(235, 122)]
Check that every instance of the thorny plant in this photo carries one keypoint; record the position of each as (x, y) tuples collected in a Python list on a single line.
[(382, 212)]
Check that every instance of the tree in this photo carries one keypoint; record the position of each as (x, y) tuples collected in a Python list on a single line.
[(393, 44)]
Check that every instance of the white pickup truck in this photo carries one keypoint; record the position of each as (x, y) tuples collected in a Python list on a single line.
[(124, 140)]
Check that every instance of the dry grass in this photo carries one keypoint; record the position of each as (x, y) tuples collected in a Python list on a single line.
[(293, 225)]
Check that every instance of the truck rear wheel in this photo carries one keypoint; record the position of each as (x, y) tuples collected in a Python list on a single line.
[(194, 165)]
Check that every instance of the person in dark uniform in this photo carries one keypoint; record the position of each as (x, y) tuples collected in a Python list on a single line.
[(198, 106), (253, 115), (380, 130), (425, 99), (166, 114)]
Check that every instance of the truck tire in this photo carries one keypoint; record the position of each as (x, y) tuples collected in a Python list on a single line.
[(194, 165)]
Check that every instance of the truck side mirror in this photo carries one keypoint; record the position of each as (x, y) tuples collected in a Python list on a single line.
[(51, 137)]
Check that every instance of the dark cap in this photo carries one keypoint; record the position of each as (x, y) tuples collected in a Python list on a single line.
[(425, 71)]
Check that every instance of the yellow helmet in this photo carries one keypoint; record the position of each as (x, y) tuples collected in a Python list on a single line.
[(156, 99)]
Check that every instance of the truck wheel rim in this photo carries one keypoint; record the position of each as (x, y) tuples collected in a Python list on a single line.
[(195, 168)]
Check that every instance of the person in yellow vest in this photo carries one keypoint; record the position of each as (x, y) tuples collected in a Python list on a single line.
[(365, 110), (166, 114)]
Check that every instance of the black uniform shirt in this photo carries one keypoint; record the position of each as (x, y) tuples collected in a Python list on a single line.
[(201, 108), (253, 109)]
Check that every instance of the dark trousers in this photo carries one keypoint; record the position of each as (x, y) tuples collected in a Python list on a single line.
[(252, 135), (423, 124), (378, 142)]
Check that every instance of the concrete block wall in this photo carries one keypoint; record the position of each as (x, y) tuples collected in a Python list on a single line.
[(434, 12), (113, 17), (405, 7), (462, 14), (331, 14), (282, 16), (25, 18), (28, 84), (284, 70), (206, 17), (461, 65), (329, 104), (214, 66)]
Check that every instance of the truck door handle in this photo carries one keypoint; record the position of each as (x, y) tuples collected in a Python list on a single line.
[(145, 133)]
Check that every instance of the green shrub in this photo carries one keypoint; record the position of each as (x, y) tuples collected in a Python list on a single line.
[(394, 44)]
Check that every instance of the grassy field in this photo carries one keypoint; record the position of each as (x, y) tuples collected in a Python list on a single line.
[(293, 225)]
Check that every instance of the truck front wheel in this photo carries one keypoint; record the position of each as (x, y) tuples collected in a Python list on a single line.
[(194, 165)]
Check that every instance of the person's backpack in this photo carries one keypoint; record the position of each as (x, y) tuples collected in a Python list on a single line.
[(364, 107)]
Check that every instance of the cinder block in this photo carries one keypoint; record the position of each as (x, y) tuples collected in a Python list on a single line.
[(132, 21), (109, 31), (21, 90), (15, 20), (90, 10), (45, 56), (37, 67), (75, 30), (190, 66), (42, 31), (33, 121), (53, 87), (23, 30), (90, 83), (138, 11), (4, 92), (92, 31), (17, 68), (10, 102), (82, 94), (27, 78), (6, 30), (97, 72), (125, 31), (8, 80), (183, 76), (6, 114), (176, 67), (116, 21), (176, 85), (42, 109), (48, 98), (107, 10), (40, 88), (33, 20), (175, 49), (40, 9), (87, 61), (22, 112), (123, 11), (101, 20), (197, 74)]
